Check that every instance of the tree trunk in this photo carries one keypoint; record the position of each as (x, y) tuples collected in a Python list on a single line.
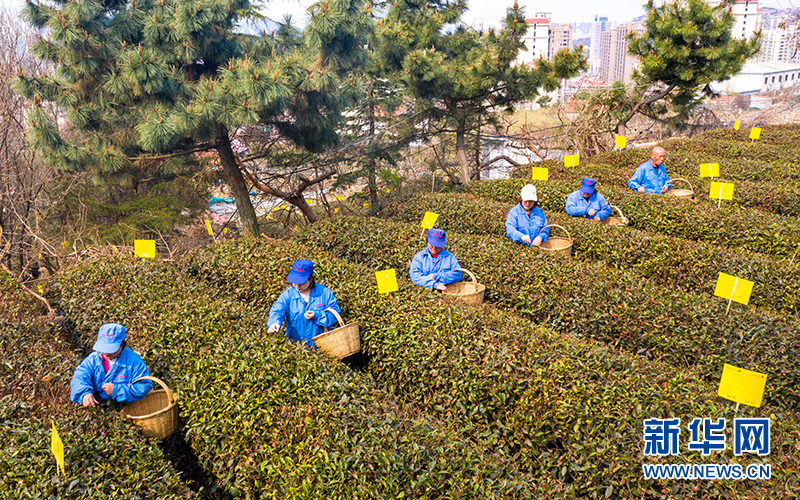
[(461, 154), (238, 187), (372, 181), (301, 203)]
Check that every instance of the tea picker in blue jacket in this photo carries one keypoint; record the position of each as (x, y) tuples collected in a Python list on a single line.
[(303, 305), (587, 202), (109, 372), (434, 267), (651, 176), (526, 221)]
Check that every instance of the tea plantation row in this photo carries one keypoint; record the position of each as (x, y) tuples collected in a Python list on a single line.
[(567, 409), (674, 263), (106, 457), (594, 301)]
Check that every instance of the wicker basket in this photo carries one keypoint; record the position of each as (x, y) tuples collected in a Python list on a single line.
[(157, 413), (682, 193), (470, 292), (616, 221), (339, 342), (557, 243)]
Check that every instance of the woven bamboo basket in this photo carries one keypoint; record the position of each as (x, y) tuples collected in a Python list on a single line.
[(157, 413), (470, 292), (557, 243), (682, 193), (612, 220), (339, 342)]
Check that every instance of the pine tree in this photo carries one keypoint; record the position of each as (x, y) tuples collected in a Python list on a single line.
[(687, 46), (460, 73), (143, 79)]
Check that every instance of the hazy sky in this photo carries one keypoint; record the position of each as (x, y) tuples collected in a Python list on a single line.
[(490, 12)]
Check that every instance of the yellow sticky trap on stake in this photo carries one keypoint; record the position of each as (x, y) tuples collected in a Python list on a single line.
[(144, 248), (721, 190), (57, 448), (39, 287), (387, 281), (208, 228), (64, 245), (385, 190), (276, 209), (620, 141), (742, 386), (429, 220), (40, 255), (366, 205), (113, 247), (734, 289), (224, 230), (284, 206), (338, 198), (539, 173), (755, 133), (569, 161), (336, 210), (737, 124), (709, 170)]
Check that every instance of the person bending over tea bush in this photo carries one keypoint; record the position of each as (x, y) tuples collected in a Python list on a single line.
[(651, 176), (587, 202), (303, 306), (434, 267), (109, 372), (526, 221)]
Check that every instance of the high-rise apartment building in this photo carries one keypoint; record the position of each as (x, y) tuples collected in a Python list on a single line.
[(748, 17), (560, 38), (616, 64), (536, 40), (598, 27)]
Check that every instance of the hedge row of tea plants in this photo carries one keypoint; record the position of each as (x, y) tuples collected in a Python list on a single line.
[(272, 419), (670, 262), (591, 300), (731, 226), (567, 408), (105, 457)]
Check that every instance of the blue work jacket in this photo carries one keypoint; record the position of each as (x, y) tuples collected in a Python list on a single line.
[(291, 307), (90, 376), (651, 178), (441, 268), (518, 224), (578, 206)]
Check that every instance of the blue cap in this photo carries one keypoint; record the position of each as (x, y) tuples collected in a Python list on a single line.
[(436, 237), (109, 338), (587, 185), (301, 270)]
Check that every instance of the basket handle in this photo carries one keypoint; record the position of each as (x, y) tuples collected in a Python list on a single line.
[(472, 276), (620, 212), (556, 225), (684, 180), (159, 382), (338, 318)]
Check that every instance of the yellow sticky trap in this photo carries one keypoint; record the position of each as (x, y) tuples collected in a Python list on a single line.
[(387, 281), (737, 124), (224, 230), (64, 245), (284, 206), (208, 228), (40, 255), (57, 448), (742, 386), (733, 288), (39, 287), (366, 205), (721, 190), (276, 209), (336, 210), (755, 133), (429, 220), (262, 235), (144, 248), (539, 173), (572, 160), (709, 170), (338, 198), (113, 247), (385, 190), (620, 141)]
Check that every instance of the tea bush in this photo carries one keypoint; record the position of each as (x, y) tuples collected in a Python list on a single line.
[(671, 262), (272, 419), (594, 301), (105, 456), (496, 377), (700, 220)]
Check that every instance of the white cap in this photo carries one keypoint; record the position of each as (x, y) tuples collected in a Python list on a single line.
[(529, 193)]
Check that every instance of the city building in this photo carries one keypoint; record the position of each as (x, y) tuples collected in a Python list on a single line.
[(600, 24), (748, 17), (761, 77), (615, 62), (536, 40), (560, 38)]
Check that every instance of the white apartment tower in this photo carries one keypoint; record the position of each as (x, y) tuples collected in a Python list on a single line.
[(536, 40)]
